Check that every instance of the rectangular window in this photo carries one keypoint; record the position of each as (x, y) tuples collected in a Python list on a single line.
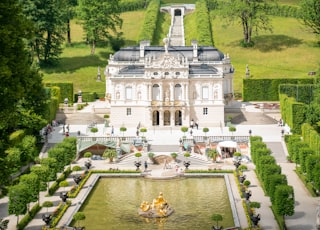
[(129, 93), (205, 93), (128, 111), (205, 111)]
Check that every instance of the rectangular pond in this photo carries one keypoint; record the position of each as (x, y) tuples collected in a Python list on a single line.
[(113, 203)]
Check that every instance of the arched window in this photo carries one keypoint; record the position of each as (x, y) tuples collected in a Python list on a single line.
[(155, 92), (177, 92)]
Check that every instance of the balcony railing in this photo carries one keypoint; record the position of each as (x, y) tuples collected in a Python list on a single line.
[(167, 103)]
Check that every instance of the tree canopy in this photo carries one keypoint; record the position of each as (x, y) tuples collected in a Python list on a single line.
[(252, 15), (49, 22), (310, 15), (100, 20)]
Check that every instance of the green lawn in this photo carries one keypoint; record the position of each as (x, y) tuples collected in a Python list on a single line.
[(290, 51)]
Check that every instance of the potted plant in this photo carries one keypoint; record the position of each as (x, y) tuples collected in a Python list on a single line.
[(174, 156), (107, 121), (110, 153), (213, 154), (138, 155), (232, 129), (253, 205), (184, 129), (186, 154), (205, 130), (229, 118), (143, 130), (94, 130), (78, 217), (246, 183), (123, 129), (151, 156), (217, 217)]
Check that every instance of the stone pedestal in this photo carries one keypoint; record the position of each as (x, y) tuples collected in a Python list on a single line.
[(79, 99)]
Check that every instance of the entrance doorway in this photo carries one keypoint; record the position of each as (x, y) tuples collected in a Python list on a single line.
[(166, 118), (155, 118), (177, 12), (178, 118)]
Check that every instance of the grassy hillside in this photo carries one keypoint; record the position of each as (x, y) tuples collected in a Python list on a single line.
[(290, 51)]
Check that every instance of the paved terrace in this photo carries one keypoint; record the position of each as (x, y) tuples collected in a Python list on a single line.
[(305, 210)]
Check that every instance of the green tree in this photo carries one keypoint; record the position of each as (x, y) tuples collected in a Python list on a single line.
[(19, 81), (284, 200), (18, 200), (110, 153), (13, 57), (28, 148), (252, 16), (100, 20), (77, 217), (213, 154), (309, 12), (316, 176), (13, 159), (123, 129), (51, 163), (49, 20), (32, 182), (94, 130), (43, 174), (70, 13), (232, 129), (184, 130), (217, 217), (143, 130), (205, 130), (60, 155)]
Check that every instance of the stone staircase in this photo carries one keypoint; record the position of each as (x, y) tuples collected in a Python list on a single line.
[(177, 33)]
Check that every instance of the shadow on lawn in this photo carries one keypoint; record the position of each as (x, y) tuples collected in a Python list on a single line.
[(71, 64), (267, 43)]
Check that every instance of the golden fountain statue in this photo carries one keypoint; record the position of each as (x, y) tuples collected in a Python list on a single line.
[(158, 208)]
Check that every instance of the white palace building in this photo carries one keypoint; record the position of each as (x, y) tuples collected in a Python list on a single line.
[(170, 85)]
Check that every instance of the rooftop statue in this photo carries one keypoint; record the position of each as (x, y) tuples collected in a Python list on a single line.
[(158, 208)]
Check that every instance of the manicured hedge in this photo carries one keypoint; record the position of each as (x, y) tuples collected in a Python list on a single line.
[(312, 137), (292, 112), (204, 33), (284, 11), (66, 90), (150, 21), (28, 217), (300, 92), (131, 5), (269, 174), (267, 89)]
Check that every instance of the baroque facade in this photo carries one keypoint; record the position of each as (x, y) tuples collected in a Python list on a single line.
[(168, 85)]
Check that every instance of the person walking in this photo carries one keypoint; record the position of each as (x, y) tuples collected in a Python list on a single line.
[(112, 131)]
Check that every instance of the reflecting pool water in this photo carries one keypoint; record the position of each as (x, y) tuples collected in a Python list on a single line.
[(114, 203)]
